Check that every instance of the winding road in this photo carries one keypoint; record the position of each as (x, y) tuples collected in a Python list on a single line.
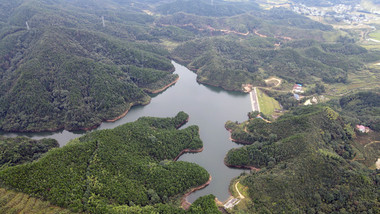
[(373, 142), (234, 201), (237, 190)]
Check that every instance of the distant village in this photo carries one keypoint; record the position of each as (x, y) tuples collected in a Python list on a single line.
[(346, 13), (297, 89)]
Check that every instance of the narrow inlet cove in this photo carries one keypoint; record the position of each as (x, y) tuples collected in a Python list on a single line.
[(208, 107)]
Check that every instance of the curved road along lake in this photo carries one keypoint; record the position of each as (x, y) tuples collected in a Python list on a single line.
[(208, 107)]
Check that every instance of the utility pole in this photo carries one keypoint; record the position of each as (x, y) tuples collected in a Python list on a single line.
[(27, 26), (142, 59)]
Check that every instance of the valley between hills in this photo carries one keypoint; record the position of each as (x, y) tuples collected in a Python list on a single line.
[(308, 142)]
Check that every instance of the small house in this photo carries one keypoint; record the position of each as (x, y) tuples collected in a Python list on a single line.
[(362, 129), (297, 88)]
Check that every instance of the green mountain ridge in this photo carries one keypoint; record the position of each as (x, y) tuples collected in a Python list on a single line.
[(130, 52), (205, 8), (42, 69), (230, 62), (71, 71), (129, 165), (306, 160), (253, 46)]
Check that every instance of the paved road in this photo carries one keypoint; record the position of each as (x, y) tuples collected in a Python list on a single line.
[(254, 100)]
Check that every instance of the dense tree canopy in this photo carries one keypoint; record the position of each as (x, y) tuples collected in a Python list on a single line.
[(67, 72), (19, 150), (73, 64), (306, 160), (71, 71), (129, 165), (361, 108)]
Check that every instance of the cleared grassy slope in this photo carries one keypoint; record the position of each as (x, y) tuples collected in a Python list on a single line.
[(16, 202)]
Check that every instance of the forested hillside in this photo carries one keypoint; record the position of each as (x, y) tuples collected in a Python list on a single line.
[(205, 204), (205, 8), (361, 108), (129, 165), (19, 150), (230, 62), (253, 46), (16, 202), (71, 65), (68, 71), (306, 161)]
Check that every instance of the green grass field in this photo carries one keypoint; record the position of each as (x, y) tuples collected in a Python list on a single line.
[(267, 104), (170, 45), (15, 202), (375, 35)]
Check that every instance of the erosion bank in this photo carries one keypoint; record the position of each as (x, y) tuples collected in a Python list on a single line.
[(143, 103), (163, 88), (237, 141), (183, 123), (127, 110), (186, 204), (87, 128), (188, 151), (242, 166)]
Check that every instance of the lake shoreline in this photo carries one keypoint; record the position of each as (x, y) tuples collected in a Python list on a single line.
[(187, 151), (183, 123), (242, 166), (126, 111), (152, 92), (206, 83), (185, 204), (237, 141), (208, 107), (60, 128), (89, 128), (163, 88)]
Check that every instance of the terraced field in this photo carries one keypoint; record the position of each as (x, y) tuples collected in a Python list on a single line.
[(15, 202), (375, 35)]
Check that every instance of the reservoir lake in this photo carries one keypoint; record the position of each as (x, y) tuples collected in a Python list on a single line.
[(208, 107)]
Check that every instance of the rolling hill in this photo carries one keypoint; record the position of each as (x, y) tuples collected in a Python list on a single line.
[(64, 72), (307, 161), (130, 165)]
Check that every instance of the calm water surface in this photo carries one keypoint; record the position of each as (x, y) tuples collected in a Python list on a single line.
[(208, 107)]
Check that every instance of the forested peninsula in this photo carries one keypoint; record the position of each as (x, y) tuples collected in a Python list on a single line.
[(104, 170)]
